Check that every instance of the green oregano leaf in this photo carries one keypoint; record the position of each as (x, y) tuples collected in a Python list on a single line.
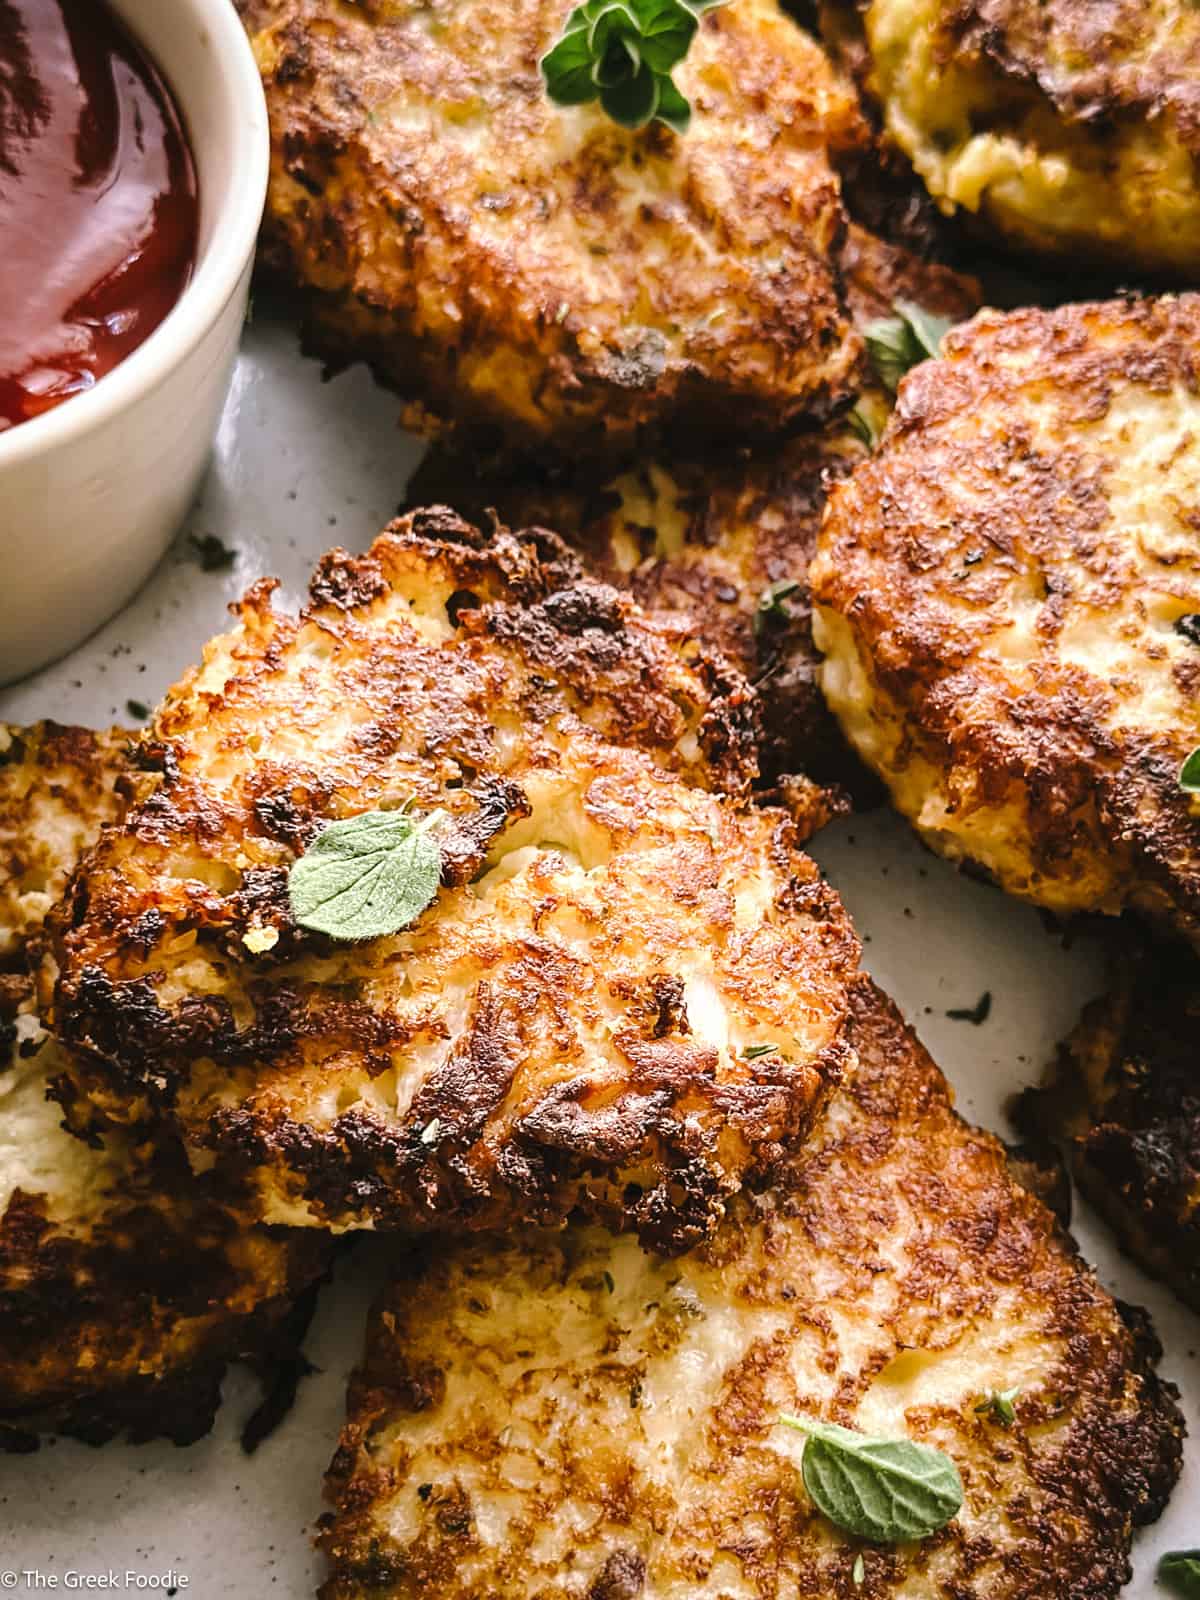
[(887, 1490), (632, 101), (1180, 1570), (673, 108), (862, 427), (622, 52), (569, 67), (367, 876), (897, 343), (926, 329), (1189, 773), (668, 29)]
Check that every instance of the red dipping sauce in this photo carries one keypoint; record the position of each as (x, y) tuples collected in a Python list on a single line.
[(98, 204)]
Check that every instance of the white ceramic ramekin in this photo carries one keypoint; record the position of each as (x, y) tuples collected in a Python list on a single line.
[(91, 493)]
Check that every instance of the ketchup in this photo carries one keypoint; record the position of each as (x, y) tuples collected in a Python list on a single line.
[(98, 206)]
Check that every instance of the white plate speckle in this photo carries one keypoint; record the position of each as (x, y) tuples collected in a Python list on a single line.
[(301, 465)]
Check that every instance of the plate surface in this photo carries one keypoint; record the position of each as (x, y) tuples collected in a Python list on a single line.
[(301, 465)]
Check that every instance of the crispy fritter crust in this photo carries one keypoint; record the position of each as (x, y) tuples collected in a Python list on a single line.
[(565, 1416), (123, 1292), (706, 540), (998, 591), (506, 261), (566, 1024), (1125, 1102), (57, 789), (1074, 127), (709, 535)]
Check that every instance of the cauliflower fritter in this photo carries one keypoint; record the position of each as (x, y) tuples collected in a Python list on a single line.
[(563, 1415), (124, 1293), (1007, 596), (536, 268), (1072, 127), (629, 992), (724, 538), (1125, 1102), (725, 542)]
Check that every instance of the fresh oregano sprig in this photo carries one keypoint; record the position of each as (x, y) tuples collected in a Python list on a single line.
[(897, 343), (1189, 773), (1179, 1570), (367, 876), (622, 52), (886, 1490)]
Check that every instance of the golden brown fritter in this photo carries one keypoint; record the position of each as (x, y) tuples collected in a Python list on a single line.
[(726, 542), (724, 537), (1072, 126), (877, 273), (1002, 594), (124, 1293), (563, 1415), (1126, 1104), (507, 261), (629, 992)]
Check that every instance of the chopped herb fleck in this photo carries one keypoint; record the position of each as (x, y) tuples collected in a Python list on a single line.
[(976, 1014), (770, 601), (1189, 773), (753, 1051), (608, 1282), (137, 709), (212, 555), (999, 1406)]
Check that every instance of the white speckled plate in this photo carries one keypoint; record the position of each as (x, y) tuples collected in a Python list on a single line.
[(299, 466)]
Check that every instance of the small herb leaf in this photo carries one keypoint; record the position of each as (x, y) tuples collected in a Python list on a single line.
[(673, 108), (770, 601), (927, 330), (633, 102), (569, 67), (622, 52), (367, 876), (1180, 1570), (862, 427), (999, 1405), (1189, 773), (753, 1052), (887, 1490), (897, 343), (667, 33), (977, 1014)]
